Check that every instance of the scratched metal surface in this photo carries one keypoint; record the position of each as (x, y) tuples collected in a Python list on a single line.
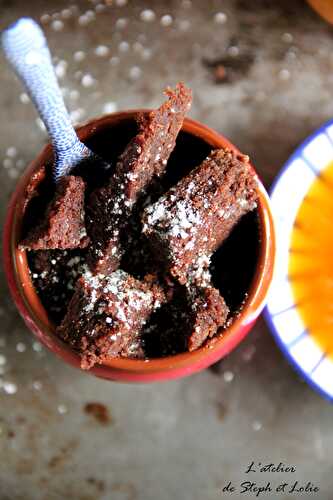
[(183, 439)]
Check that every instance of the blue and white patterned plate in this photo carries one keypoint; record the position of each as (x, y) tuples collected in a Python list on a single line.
[(286, 324)]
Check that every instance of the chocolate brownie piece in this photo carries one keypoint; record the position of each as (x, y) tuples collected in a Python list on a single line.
[(106, 314), (167, 330), (54, 274), (143, 160), (191, 221), (208, 313), (189, 318), (62, 226)]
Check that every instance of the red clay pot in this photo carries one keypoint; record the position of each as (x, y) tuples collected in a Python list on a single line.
[(180, 365)]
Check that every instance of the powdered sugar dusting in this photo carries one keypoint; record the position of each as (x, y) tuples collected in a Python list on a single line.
[(117, 295), (190, 221), (177, 222)]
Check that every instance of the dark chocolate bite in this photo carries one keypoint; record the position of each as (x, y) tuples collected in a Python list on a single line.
[(208, 313), (106, 314), (62, 226), (54, 274), (188, 223), (191, 317), (143, 160)]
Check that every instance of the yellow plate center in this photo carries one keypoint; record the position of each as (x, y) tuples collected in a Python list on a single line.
[(311, 260)]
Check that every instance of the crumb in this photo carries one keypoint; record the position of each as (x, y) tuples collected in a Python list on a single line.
[(99, 411)]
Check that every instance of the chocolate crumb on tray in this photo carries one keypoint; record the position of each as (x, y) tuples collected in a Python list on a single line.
[(192, 220), (106, 314), (144, 159), (63, 225)]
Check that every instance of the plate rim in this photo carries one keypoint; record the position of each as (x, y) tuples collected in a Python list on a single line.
[(267, 315)]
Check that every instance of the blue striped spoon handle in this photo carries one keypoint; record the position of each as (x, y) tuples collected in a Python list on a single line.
[(26, 49)]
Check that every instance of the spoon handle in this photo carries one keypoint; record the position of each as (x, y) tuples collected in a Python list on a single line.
[(26, 49)]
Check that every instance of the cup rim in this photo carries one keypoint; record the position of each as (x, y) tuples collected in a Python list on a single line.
[(34, 314)]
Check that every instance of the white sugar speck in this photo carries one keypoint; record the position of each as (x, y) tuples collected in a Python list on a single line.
[(37, 385), (256, 425), (121, 23), (233, 51), (166, 20), (146, 54), (45, 18), (60, 69), (84, 20), (62, 409), (57, 25), (109, 107), (284, 74), (114, 61), (24, 98), (37, 346), (220, 18), (66, 13), (40, 124), (101, 51), (11, 152), (100, 7), (9, 387), (74, 94), (21, 347), (228, 376), (287, 37), (123, 46), (147, 15), (135, 72), (90, 14), (79, 55), (87, 80), (76, 115)]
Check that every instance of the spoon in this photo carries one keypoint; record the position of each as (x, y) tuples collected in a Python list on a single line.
[(26, 49)]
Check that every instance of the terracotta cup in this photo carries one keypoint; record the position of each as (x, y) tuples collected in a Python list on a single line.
[(180, 365), (324, 8)]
